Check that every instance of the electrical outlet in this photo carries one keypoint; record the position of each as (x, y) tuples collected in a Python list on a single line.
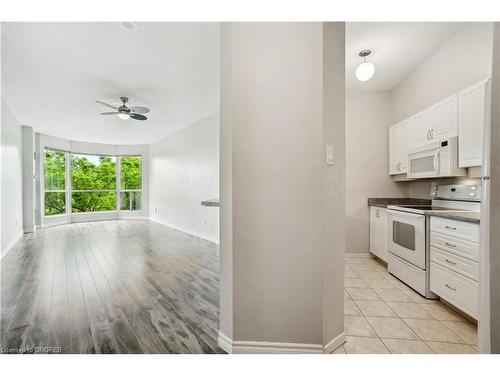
[(204, 221)]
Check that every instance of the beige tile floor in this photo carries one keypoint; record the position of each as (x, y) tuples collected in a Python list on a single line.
[(383, 315)]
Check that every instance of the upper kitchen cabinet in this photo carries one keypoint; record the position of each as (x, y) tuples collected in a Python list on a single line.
[(419, 129), (435, 123), (445, 119), (398, 148), (472, 107)]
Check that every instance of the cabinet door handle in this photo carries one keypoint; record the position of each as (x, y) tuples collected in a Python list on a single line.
[(449, 261), (432, 133), (448, 227), (428, 135), (449, 244), (450, 287)]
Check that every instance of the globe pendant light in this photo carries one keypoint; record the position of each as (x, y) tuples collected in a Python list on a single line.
[(366, 69)]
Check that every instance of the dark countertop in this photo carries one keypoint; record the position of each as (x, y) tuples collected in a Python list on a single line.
[(470, 216), (384, 202), (211, 202)]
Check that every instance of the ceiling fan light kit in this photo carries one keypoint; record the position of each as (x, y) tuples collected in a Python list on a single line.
[(125, 112)]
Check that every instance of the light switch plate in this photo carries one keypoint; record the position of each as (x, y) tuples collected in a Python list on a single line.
[(329, 154)]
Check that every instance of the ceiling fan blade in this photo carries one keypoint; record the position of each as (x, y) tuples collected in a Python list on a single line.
[(139, 109), (109, 113), (137, 116), (107, 105)]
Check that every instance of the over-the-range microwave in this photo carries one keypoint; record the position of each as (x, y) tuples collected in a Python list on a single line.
[(438, 159)]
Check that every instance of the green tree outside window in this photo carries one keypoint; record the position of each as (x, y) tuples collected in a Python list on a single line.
[(93, 182)]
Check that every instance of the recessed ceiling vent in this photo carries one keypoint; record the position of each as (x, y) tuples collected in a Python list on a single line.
[(129, 26)]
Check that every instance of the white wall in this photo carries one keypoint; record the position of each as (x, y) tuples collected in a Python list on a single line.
[(334, 188), (367, 162), (12, 205), (489, 307), (184, 172), (464, 60), (280, 106), (29, 194)]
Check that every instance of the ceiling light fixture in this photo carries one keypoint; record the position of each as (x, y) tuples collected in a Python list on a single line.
[(366, 69), (124, 115)]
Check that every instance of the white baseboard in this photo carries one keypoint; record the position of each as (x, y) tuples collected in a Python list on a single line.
[(336, 343), (187, 231), (225, 343), (267, 347), (11, 245), (360, 254)]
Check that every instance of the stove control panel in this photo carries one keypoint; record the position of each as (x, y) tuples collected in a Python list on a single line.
[(458, 192)]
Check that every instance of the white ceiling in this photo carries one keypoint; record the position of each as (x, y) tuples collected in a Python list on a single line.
[(397, 48), (52, 73)]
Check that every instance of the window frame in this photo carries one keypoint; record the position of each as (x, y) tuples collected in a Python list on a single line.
[(69, 184), (65, 191), (119, 182), (117, 209)]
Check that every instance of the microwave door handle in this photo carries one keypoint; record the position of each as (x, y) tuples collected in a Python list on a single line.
[(436, 162)]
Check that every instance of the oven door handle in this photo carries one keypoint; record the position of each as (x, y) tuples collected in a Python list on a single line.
[(436, 162)]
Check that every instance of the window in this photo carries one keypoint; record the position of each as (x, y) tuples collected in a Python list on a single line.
[(98, 183), (55, 182), (130, 183), (93, 183)]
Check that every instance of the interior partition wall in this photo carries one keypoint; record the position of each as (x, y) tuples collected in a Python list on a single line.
[(80, 181)]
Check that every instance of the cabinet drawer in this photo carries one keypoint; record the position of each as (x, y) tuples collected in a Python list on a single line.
[(466, 249), (465, 267), (455, 288), (457, 228)]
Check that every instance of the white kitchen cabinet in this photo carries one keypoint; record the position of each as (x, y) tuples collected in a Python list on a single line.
[(472, 107), (398, 148), (419, 132), (378, 239), (444, 119), (434, 124), (454, 253)]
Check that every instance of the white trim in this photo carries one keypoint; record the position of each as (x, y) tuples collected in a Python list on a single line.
[(225, 343), (267, 347), (82, 217), (11, 245), (187, 231), (336, 343)]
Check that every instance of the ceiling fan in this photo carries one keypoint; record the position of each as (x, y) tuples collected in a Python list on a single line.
[(125, 112)]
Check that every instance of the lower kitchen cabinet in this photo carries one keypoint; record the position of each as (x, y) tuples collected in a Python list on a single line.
[(378, 237), (454, 263)]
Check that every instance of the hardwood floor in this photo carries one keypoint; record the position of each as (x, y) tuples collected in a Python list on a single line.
[(110, 287)]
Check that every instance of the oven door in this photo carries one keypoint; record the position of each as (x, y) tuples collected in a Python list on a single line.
[(424, 164), (406, 236)]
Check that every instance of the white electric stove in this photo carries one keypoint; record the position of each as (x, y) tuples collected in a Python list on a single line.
[(408, 232)]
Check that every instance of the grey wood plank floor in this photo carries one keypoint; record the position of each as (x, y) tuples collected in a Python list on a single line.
[(110, 287)]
